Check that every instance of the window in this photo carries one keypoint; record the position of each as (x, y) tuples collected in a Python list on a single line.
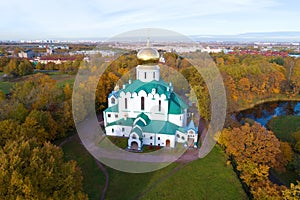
[(108, 115), (116, 115), (142, 103), (182, 138), (180, 118), (158, 138), (150, 144), (158, 144), (159, 105), (133, 136), (150, 137), (125, 103), (178, 135), (123, 129), (113, 101), (145, 75), (154, 75), (112, 130)]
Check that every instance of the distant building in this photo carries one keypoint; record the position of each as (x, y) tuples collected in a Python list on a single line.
[(26, 54), (49, 50), (147, 111)]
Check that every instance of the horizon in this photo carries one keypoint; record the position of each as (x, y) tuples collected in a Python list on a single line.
[(75, 19)]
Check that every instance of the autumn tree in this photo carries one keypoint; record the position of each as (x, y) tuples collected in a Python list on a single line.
[(41, 125), (32, 171), (9, 129), (254, 150), (293, 192)]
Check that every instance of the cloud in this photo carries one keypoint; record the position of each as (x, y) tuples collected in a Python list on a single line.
[(77, 18)]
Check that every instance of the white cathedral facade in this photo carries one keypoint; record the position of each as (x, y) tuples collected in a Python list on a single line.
[(147, 110)]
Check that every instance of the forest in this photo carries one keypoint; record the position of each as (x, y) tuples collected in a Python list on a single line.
[(37, 112)]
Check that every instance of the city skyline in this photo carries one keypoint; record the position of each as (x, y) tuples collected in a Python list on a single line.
[(34, 19)]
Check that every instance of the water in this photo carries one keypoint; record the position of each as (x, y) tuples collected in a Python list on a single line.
[(263, 113)]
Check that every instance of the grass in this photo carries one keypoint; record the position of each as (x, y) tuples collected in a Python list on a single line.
[(207, 178), (61, 80), (284, 126), (93, 178), (6, 86)]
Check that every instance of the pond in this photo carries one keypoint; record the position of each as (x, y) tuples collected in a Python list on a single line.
[(263, 113)]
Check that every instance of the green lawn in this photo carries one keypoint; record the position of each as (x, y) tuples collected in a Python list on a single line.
[(93, 178), (283, 127), (6, 86), (207, 178)]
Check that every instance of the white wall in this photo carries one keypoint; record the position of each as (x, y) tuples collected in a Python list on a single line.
[(182, 137), (113, 117), (152, 73), (177, 119), (118, 130), (151, 105), (158, 139), (110, 101)]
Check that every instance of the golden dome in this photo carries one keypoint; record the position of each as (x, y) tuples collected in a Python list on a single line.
[(147, 54)]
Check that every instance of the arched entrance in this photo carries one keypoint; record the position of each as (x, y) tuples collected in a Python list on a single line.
[(167, 143), (134, 145), (191, 142)]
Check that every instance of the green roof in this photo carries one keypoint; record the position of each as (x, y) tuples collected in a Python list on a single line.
[(137, 85), (163, 127), (124, 122), (137, 131), (144, 117), (176, 104), (114, 108)]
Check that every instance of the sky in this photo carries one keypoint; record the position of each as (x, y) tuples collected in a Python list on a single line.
[(71, 19)]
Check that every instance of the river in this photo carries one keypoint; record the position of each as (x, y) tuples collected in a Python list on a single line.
[(264, 112)]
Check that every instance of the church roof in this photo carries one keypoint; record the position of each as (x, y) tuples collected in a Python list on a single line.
[(176, 104), (137, 85), (163, 127), (148, 53), (114, 93), (114, 108), (137, 131), (191, 125), (142, 120)]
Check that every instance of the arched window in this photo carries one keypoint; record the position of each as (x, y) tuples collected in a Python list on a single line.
[(153, 75), (145, 75), (142, 103), (126, 103), (159, 105), (112, 101)]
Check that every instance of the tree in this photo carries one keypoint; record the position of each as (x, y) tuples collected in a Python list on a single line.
[(293, 192), (254, 150), (40, 124), (32, 171), (11, 68), (9, 129), (39, 66), (67, 91), (24, 68)]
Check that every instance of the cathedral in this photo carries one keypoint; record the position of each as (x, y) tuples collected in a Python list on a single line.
[(147, 111)]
